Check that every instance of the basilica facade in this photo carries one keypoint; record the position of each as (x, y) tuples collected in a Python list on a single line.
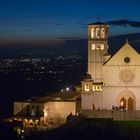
[(111, 80)]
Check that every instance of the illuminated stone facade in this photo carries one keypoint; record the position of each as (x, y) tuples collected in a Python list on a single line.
[(111, 80), (58, 111), (53, 108)]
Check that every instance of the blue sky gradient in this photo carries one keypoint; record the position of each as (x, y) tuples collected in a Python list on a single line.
[(59, 19)]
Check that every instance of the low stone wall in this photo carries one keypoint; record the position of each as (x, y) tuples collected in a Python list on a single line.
[(116, 115)]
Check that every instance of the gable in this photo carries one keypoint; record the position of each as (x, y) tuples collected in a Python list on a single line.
[(127, 55)]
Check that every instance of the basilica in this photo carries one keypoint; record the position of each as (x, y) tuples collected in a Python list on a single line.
[(111, 81)]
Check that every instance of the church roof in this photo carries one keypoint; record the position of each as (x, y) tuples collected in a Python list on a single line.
[(59, 96), (127, 55), (98, 23), (87, 76), (107, 54), (98, 83)]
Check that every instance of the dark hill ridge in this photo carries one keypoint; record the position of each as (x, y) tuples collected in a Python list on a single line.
[(70, 47), (80, 46), (115, 43), (91, 128)]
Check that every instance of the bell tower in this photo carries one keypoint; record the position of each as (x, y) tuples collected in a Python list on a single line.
[(97, 48)]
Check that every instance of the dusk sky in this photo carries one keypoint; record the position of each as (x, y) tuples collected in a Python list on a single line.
[(65, 19)]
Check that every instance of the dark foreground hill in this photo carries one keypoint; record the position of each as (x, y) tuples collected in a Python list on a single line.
[(94, 129)]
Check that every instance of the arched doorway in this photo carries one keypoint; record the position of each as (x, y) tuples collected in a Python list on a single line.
[(123, 102), (130, 103), (127, 99)]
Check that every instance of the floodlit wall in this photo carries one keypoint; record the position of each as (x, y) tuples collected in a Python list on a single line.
[(57, 111), (92, 101), (28, 109)]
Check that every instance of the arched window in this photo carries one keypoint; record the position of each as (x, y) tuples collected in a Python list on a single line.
[(93, 88), (102, 47), (97, 32), (86, 87), (92, 32), (93, 47), (103, 33), (100, 88), (97, 88)]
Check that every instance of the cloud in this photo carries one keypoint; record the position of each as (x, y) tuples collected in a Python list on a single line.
[(125, 22), (69, 38), (58, 24)]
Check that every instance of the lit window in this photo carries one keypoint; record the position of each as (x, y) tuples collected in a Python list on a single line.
[(93, 88), (93, 46), (36, 122), (97, 32), (31, 122), (92, 33), (87, 87), (100, 88), (97, 88), (98, 46), (102, 46), (103, 33)]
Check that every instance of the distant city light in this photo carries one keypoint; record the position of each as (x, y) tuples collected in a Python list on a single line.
[(67, 88), (62, 90)]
